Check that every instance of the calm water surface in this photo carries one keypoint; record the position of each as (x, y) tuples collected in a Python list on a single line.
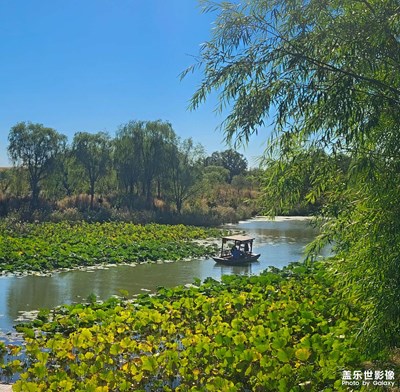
[(279, 242)]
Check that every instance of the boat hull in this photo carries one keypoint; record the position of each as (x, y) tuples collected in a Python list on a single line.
[(229, 260)]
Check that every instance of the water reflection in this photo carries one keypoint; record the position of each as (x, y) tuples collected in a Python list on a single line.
[(278, 242), (235, 269), (26, 292)]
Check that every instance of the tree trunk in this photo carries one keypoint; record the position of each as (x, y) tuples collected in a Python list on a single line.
[(35, 194), (179, 206), (159, 189), (148, 193), (91, 194)]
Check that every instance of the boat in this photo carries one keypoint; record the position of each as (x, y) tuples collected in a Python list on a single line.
[(240, 253)]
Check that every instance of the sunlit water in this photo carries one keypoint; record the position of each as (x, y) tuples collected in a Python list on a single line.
[(279, 242)]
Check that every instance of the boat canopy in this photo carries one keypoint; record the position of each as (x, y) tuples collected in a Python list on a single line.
[(238, 238)]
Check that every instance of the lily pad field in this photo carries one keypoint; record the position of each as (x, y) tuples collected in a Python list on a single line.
[(284, 330), (47, 247), (274, 332)]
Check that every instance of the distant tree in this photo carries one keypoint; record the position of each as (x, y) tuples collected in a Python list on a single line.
[(65, 176), (127, 155), (34, 147), (64, 168), (231, 160), (255, 175), (215, 175), (157, 137), (213, 179), (93, 153), (6, 180), (185, 171), (142, 156), (241, 182)]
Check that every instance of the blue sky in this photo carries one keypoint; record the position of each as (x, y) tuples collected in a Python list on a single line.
[(92, 65)]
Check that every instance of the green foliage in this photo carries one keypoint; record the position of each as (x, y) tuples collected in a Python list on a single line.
[(185, 171), (49, 246), (327, 72), (127, 157), (14, 184), (142, 156), (231, 160), (10, 363), (92, 151), (304, 182), (274, 332), (34, 147), (322, 68)]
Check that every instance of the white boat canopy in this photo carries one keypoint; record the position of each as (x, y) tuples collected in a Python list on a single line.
[(239, 238)]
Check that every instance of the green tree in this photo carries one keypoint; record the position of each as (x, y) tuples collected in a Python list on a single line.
[(141, 159), (157, 137), (231, 160), (327, 74), (64, 171), (215, 175), (66, 175), (93, 153), (213, 179), (127, 157), (34, 147), (185, 171), (6, 179), (303, 181)]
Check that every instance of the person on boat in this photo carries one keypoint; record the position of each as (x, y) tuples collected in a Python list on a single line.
[(235, 252), (246, 248)]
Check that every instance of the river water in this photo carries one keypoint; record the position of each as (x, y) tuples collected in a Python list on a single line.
[(280, 242)]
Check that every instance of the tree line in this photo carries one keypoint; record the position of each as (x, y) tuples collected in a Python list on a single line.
[(144, 163)]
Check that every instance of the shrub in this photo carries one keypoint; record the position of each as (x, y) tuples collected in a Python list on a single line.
[(68, 214), (82, 203)]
